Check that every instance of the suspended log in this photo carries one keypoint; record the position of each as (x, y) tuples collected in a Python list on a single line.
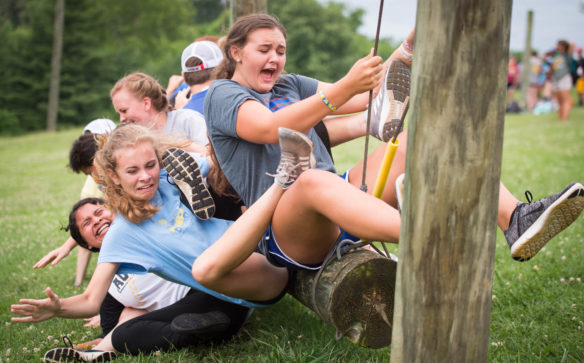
[(354, 295)]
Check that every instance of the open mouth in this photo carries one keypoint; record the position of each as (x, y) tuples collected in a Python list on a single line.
[(102, 229), (268, 74)]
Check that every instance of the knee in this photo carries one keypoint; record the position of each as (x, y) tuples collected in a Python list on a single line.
[(311, 179)]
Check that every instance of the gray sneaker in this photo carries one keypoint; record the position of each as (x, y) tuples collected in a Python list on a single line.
[(186, 174), (296, 149), (399, 191), (533, 224), (390, 106), (74, 355)]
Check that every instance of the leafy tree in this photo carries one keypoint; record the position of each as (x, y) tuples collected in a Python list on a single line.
[(322, 39)]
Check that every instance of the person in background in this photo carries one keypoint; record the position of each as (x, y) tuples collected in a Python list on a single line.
[(580, 73), (177, 83), (139, 98), (198, 61), (561, 77), (81, 161), (534, 87)]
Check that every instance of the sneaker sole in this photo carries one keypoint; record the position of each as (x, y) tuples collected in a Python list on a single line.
[(185, 172), (67, 355), (555, 219), (97, 357), (398, 91)]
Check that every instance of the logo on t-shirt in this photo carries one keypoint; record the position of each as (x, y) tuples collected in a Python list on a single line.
[(120, 281)]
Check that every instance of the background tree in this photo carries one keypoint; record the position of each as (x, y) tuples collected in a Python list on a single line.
[(56, 65), (105, 40)]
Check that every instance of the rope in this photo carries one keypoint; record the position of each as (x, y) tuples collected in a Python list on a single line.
[(366, 152)]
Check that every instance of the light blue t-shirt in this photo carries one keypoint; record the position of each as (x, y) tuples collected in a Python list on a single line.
[(166, 244), (245, 164)]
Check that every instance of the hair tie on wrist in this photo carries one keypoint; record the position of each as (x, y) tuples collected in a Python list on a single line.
[(326, 101)]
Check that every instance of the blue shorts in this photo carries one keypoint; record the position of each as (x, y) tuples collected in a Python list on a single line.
[(270, 248)]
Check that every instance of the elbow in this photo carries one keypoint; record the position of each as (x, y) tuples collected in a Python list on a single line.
[(205, 273)]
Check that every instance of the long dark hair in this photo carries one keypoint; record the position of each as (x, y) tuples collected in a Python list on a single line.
[(237, 36)]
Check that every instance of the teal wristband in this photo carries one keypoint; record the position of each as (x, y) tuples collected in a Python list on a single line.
[(326, 101)]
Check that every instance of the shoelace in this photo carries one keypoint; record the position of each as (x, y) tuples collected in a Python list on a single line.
[(68, 343), (528, 196), (290, 167)]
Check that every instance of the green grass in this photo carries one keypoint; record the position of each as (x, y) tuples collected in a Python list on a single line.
[(537, 311)]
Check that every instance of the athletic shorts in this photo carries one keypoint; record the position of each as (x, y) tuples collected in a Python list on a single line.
[(269, 247), (563, 84)]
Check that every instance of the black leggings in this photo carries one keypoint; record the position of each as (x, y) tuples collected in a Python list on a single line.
[(151, 332)]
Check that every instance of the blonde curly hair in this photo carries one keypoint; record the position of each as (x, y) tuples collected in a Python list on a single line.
[(128, 135)]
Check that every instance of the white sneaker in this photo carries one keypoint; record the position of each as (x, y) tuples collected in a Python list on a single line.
[(389, 108), (296, 156), (399, 191)]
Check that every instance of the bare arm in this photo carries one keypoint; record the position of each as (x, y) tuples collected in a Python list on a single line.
[(79, 306), (230, 265), (56, 255), (256, 123)]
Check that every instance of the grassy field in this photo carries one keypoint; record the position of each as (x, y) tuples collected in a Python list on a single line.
[(538, 306)]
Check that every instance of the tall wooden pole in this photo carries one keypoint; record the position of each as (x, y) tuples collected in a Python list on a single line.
[(53, 106), (526, 61), (245, 7), (447, 241)]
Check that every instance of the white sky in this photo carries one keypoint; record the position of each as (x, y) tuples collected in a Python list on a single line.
[(552, 20)]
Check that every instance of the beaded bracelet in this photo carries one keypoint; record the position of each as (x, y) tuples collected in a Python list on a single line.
[(406, 54), (326, 101), (407, 45)]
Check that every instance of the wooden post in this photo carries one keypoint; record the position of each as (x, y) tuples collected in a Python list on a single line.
[(53, 106), (245, 7), (526, 62), (446, 254), (354, 295)]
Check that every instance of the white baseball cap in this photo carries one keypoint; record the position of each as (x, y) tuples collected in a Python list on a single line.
[(207, 51), (100, 126)]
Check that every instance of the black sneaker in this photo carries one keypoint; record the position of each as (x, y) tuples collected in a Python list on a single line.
[(533, 224), (389, 108), (73, 355), (204, 324), (185, 172)]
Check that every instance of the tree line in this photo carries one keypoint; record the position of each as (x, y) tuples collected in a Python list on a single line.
[(107, 39)]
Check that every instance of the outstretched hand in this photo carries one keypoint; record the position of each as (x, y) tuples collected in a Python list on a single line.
[(37, 310), (53, 257), (365, 74)]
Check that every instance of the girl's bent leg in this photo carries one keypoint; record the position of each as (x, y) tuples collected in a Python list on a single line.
[(306, 221)]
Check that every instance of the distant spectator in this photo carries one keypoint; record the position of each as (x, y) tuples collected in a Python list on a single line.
[(512, 79), (535, 81), (580, 73), (562, 79)]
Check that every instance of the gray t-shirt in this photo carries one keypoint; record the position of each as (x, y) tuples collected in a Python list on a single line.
[(187, 124), (245, 164)]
